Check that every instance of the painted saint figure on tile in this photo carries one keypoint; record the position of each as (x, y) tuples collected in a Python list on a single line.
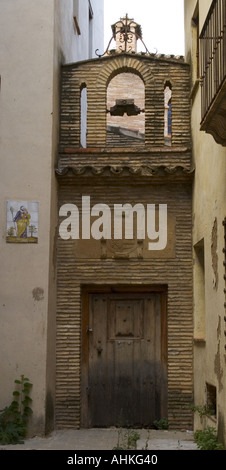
[(22, 219), (22, 222)]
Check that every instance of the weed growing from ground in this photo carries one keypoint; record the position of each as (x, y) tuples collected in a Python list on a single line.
[(207, 439), (14, 418), (127, 439), (161, 424)]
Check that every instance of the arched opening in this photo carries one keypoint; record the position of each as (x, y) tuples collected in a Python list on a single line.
[(168, 113), (126, 111), (83, 116)]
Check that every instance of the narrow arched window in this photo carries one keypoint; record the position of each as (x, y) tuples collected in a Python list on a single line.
[(168, 113), (83, 116)]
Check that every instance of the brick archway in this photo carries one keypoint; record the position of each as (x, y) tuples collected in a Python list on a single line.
[(124, 64)]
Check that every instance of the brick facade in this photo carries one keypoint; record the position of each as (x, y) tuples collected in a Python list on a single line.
[(96, 75), (150, 174)]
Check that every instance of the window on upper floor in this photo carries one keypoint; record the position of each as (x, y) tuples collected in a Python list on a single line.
[(83, 116), (195, 44), (168, 113)]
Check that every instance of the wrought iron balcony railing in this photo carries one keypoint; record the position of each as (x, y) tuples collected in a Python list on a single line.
[(213, 62)]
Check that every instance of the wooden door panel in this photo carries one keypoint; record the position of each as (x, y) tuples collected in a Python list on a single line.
[(125, 318), (98, 384), (123, 383), (126, 376)]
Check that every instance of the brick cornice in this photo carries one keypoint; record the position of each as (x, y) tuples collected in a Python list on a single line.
[(142, 171)]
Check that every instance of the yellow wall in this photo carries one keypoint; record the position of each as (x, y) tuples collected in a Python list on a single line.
[(209, 210)]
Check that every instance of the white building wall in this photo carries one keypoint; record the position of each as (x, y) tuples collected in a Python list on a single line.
[(74, 44), (98, 26), (36, 38)]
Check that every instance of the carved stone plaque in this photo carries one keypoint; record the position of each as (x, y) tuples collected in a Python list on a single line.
[(125, 249)]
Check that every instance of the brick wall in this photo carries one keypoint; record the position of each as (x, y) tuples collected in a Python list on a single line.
[(173, 270), (152, 174)]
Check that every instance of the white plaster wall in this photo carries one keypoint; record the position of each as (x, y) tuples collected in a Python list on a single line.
[(98, 27), (36, 38), (72, 46), (26, 69)]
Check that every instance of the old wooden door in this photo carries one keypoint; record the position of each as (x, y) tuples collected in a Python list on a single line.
[(126, 378)]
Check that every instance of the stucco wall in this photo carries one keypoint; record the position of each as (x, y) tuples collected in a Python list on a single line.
[(73, 46), (209, 210), (26, 65), (36, 38)]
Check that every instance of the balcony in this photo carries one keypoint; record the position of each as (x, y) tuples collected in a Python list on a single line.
[(213, 72)]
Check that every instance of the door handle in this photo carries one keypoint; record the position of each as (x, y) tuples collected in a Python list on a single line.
[(89, 329)]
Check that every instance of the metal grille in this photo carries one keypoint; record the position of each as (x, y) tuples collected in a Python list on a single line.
[(213, 53)]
